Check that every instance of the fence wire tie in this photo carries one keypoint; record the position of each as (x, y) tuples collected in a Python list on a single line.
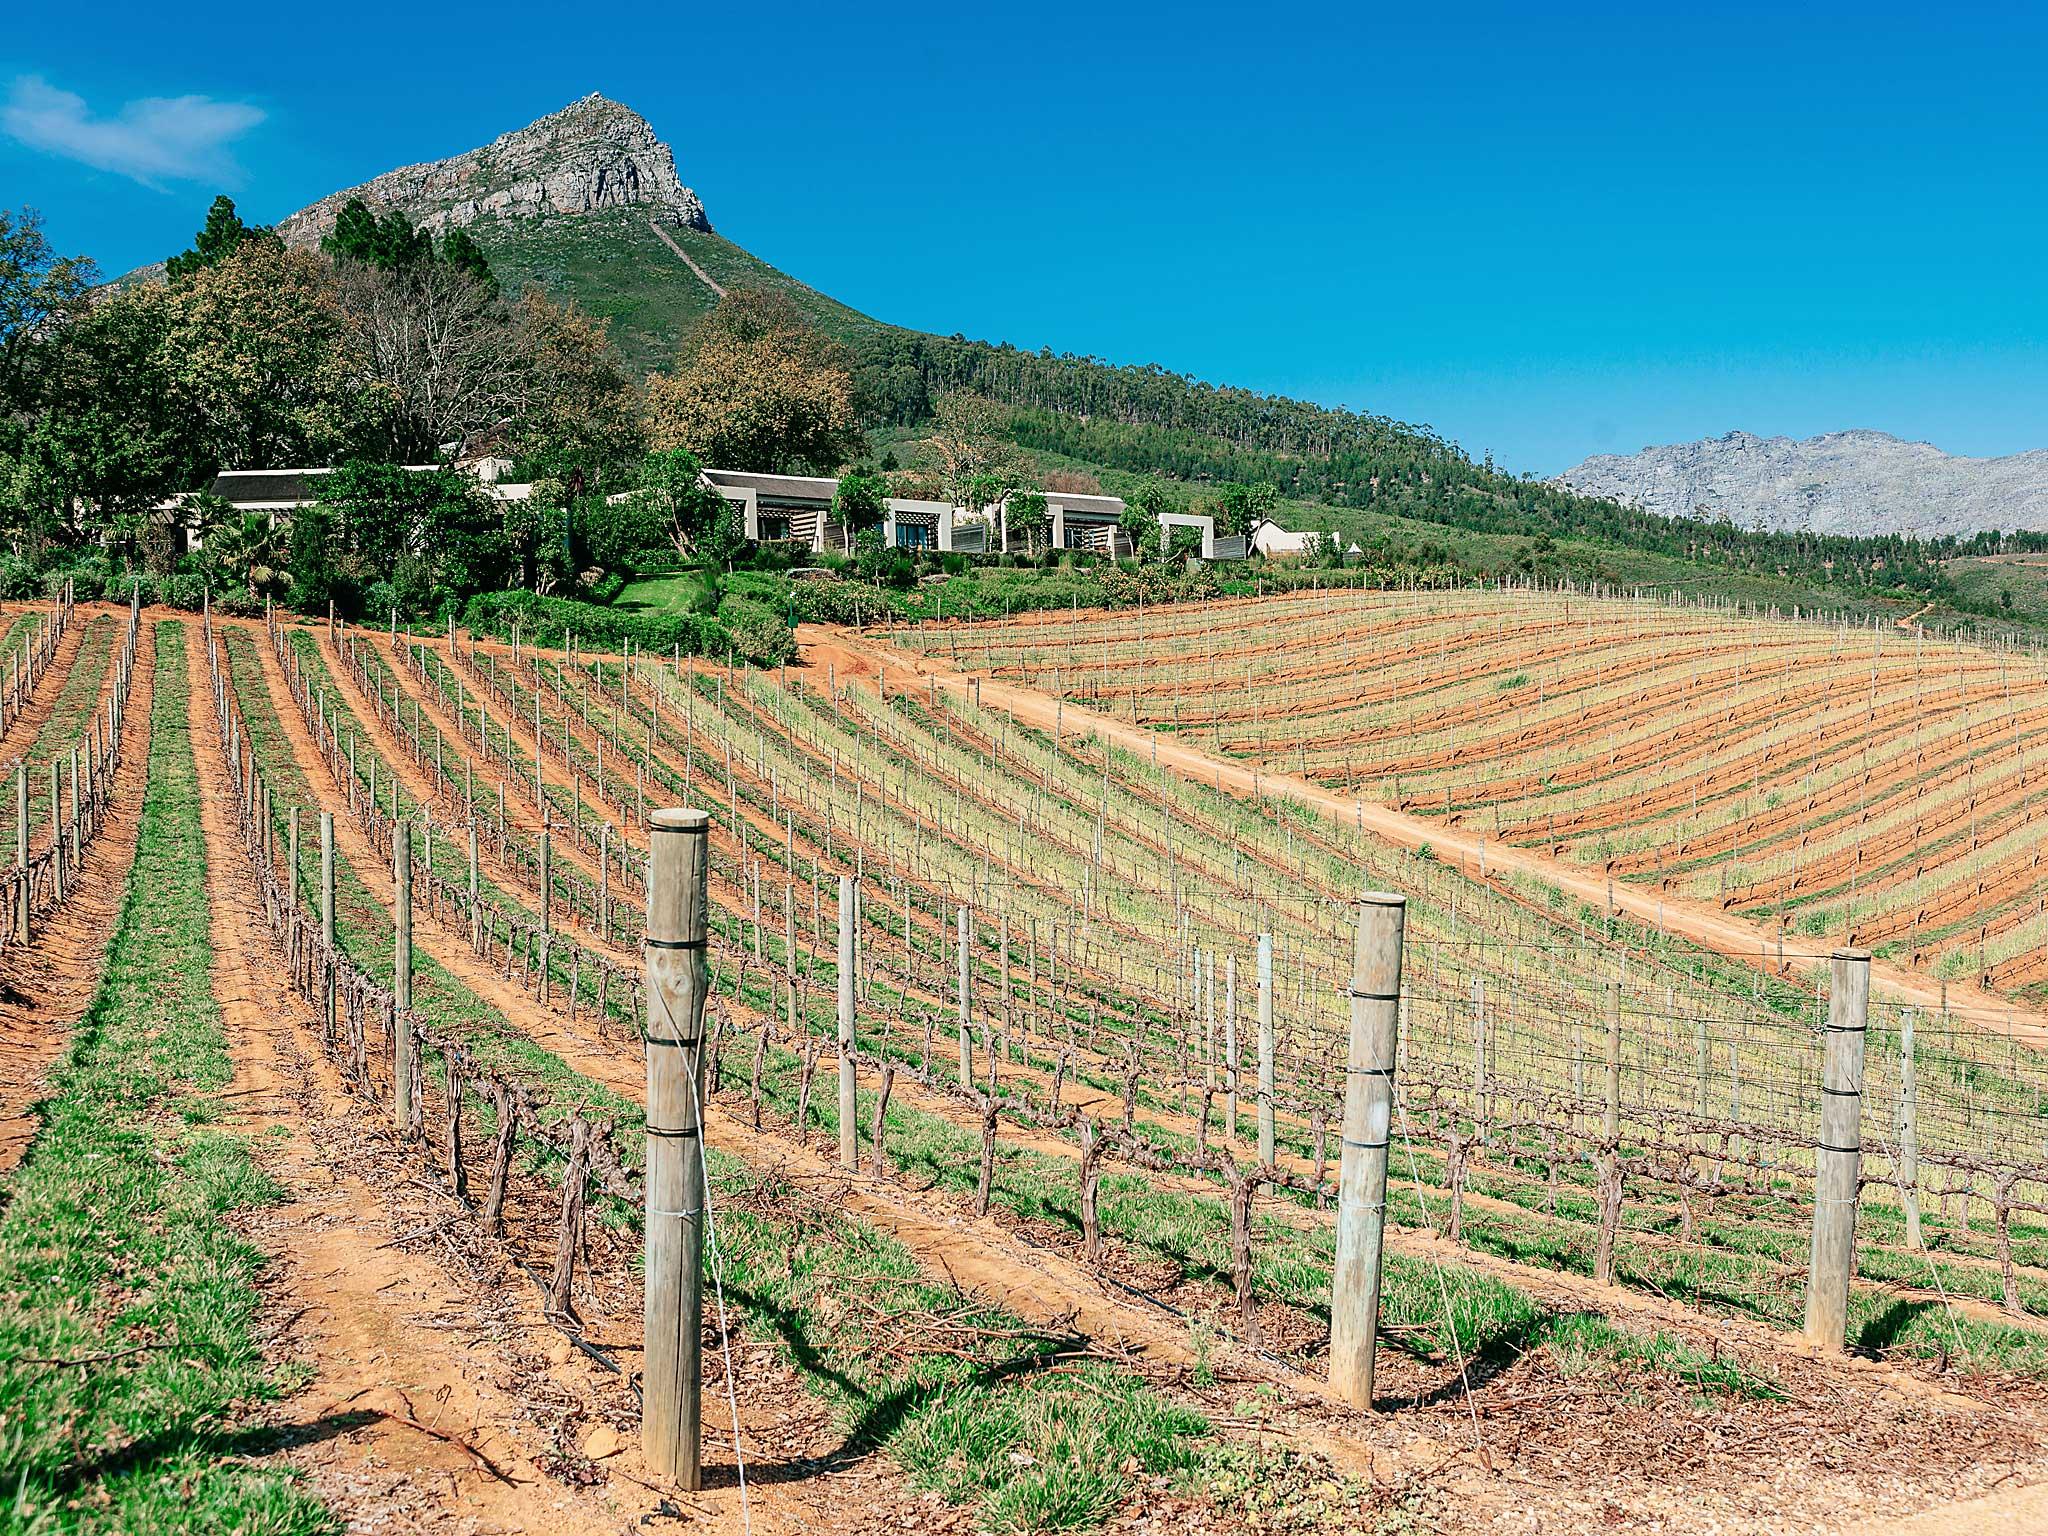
[(724, 1330)]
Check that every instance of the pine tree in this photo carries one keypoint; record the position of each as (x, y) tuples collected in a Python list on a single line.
[(223, 234)]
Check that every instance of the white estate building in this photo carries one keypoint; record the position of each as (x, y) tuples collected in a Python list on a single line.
[(799, 508)]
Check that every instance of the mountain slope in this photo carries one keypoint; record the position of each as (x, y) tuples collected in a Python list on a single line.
[(613, 263), (1857, 483)]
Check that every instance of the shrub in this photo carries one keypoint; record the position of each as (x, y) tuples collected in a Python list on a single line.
[(186, 591), (758, 632), (832, 601), (18, 578)]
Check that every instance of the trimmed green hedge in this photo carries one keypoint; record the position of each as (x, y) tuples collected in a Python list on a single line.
[(549, 621)]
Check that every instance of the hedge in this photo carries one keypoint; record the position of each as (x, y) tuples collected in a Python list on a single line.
[(549, 621)]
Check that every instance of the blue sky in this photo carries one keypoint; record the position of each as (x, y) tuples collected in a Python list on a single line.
[(1547, 231)]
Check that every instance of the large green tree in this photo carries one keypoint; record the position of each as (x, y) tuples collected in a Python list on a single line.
[(254, 346), (40, 291), (756, 390), (697, 519), (119, 438), (1240, 507), (861, 500), (92, 435)]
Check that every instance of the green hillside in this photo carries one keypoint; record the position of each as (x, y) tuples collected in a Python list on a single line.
[(614, 265)]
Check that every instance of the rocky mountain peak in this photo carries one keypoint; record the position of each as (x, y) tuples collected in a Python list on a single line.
[(1857, 481), (592, 155)]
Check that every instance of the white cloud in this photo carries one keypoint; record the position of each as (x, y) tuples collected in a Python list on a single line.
[(153, 140)]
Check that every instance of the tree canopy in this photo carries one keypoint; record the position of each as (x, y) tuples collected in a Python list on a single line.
[(220, 237), (756, 389)]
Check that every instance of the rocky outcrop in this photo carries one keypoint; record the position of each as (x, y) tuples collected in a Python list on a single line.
[(1840, 482), (592, 155)]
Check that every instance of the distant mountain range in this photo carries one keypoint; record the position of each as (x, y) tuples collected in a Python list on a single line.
[(1840, 482)]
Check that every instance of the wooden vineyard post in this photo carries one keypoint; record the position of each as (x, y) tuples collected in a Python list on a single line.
[(849, 1110), (327, 923), (476, 912), (21, 854), (1838, 1155), (966, 1047), (1368, 1122), (1610, 1124), (1266, 1140), (291, 847), (57, 827), (547, 882), (1610, 1146), (401, 978), (1909, 1130), (670, 1418), (1230, 1049)]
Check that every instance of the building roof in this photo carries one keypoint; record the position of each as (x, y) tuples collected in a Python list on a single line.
[(267, 487), (790, 487), (1074, 501)]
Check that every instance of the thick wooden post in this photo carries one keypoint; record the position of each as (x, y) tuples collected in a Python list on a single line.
[(401, 977), (327, 920), (670, 1419), (849, 1111), (1368, 1122), (1838, 1155), (292, 852), (1266, 1139), (547, 882), (966, 1047)]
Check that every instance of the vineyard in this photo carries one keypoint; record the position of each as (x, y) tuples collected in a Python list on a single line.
[(1026, 1063), (1873, 785)]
